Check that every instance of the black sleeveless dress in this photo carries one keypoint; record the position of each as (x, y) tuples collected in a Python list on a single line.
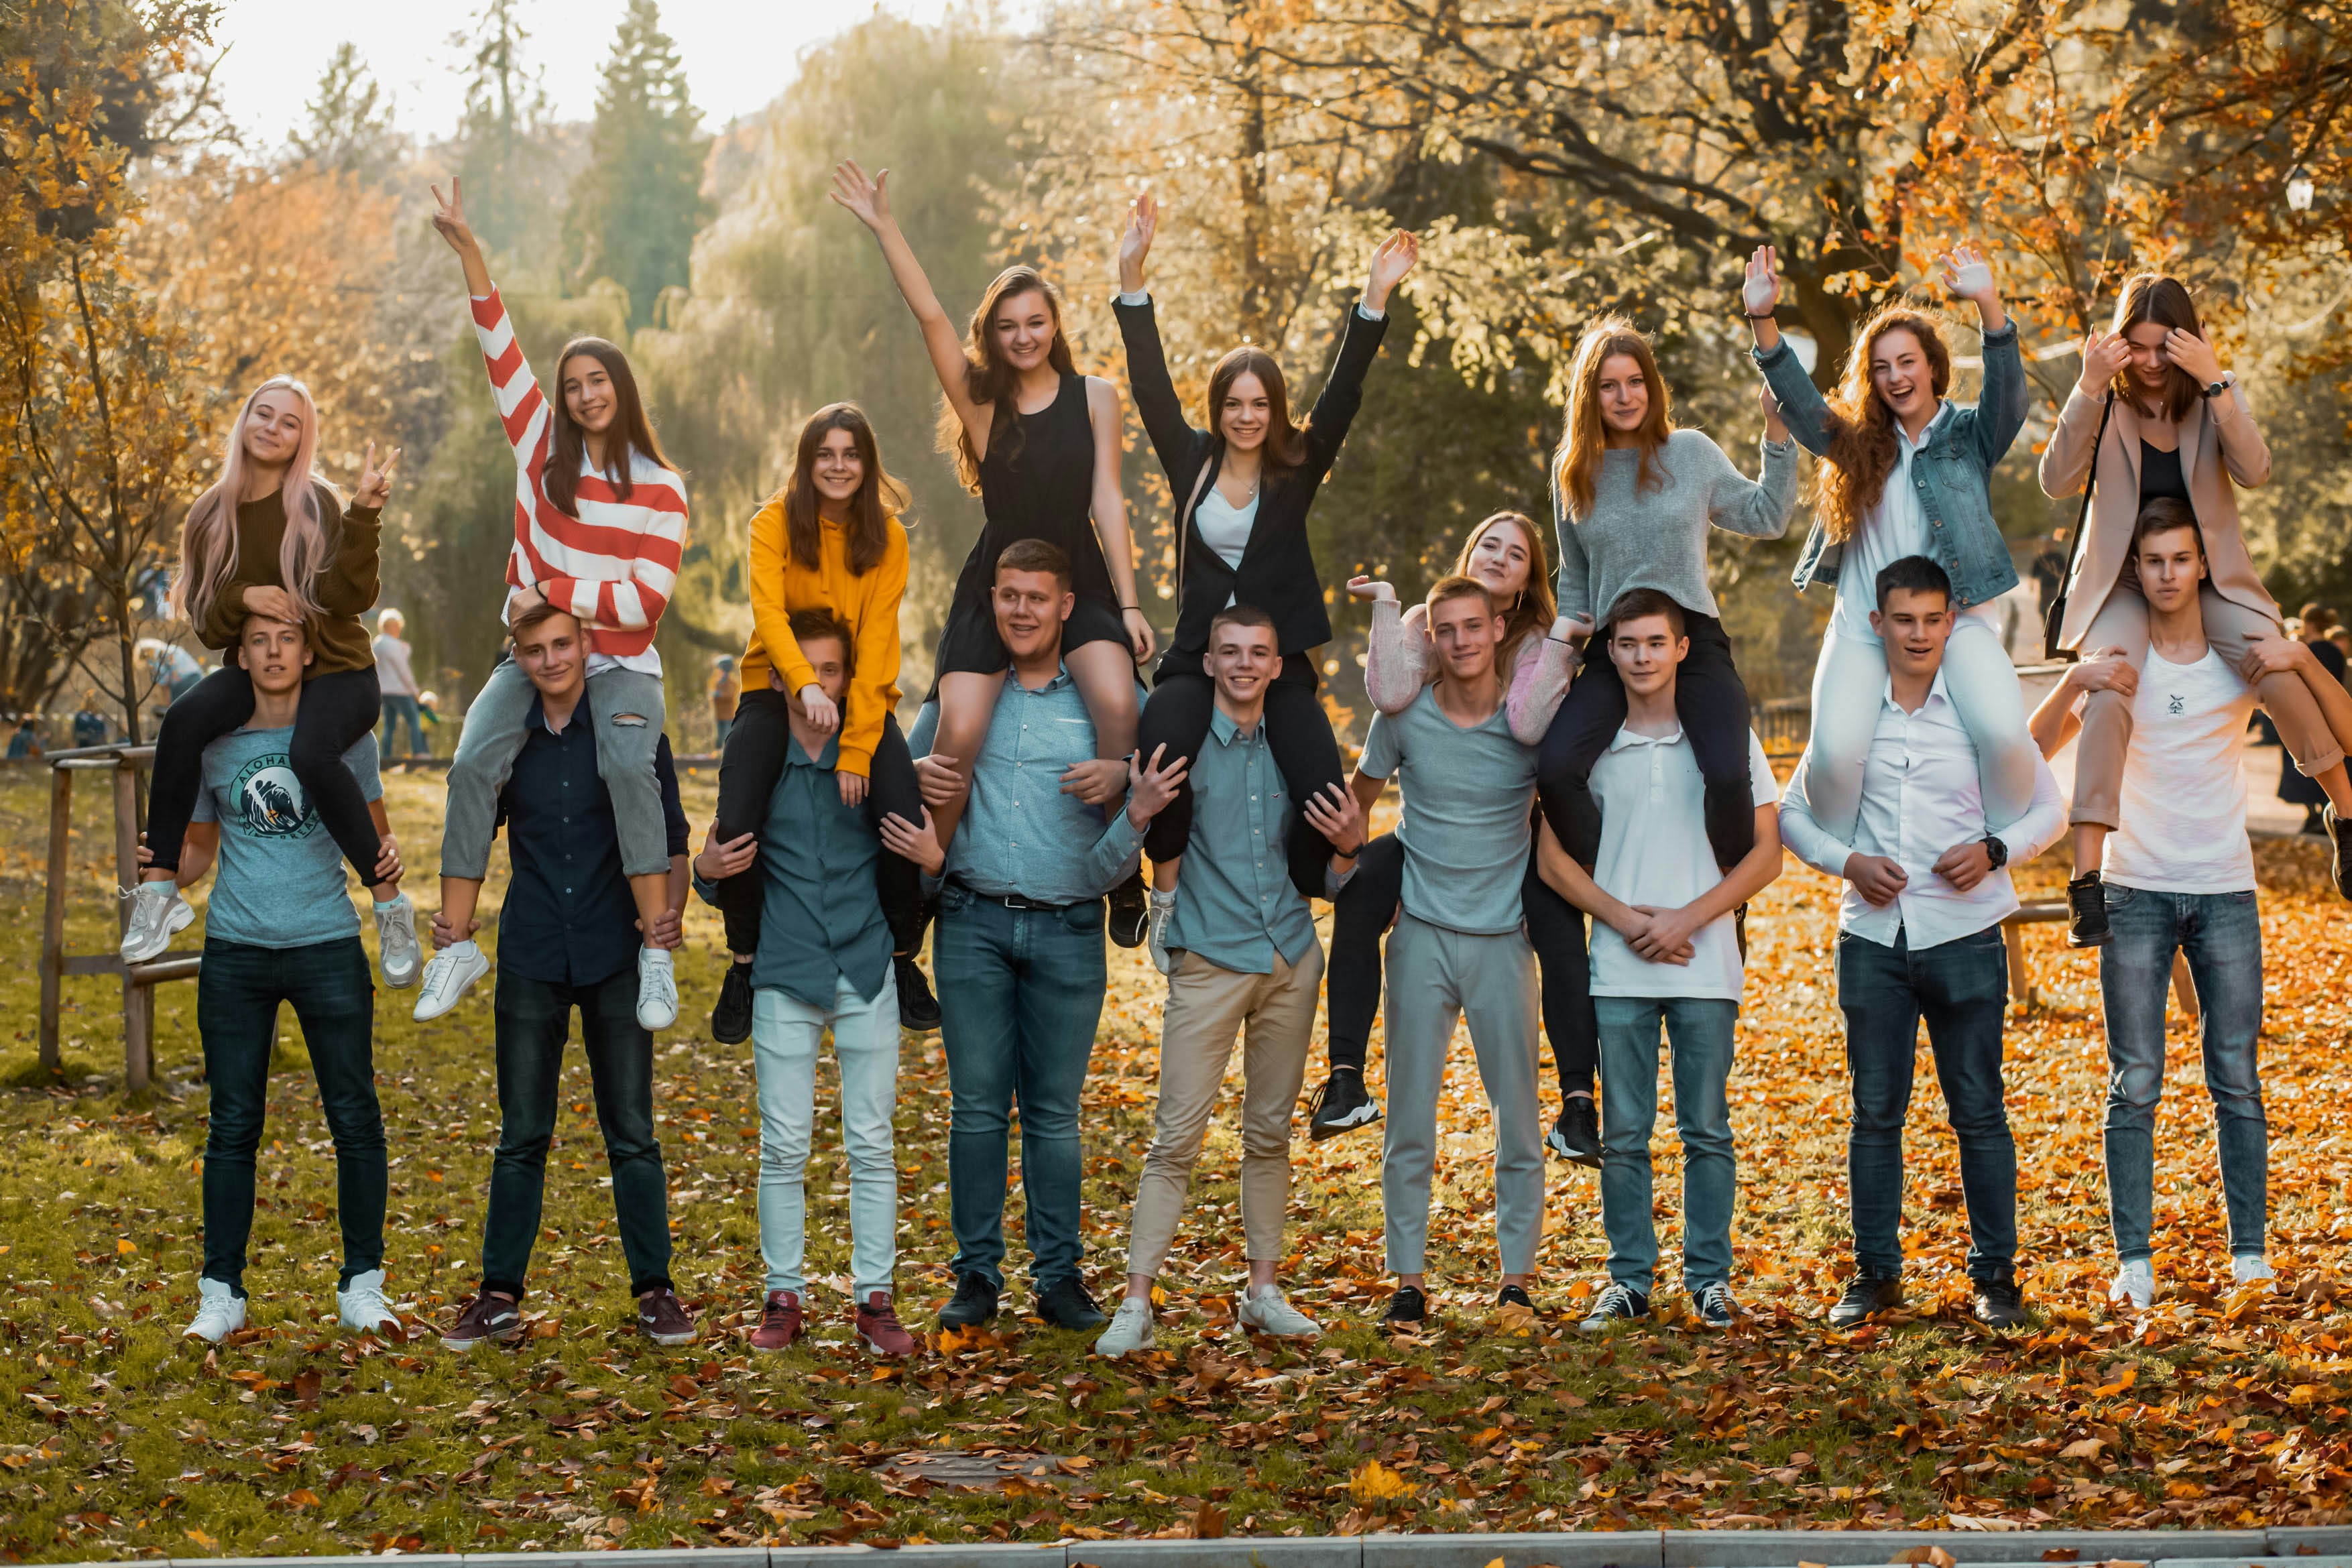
[(1039, 487)]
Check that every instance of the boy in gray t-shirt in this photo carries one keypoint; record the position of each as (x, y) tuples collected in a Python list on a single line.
[(281, 887), (1458, 951)]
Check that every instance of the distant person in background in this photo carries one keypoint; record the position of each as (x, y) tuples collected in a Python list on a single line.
[(397, 682), (726, 691), (172, 668), (89, 724), (2294, 787), (428, 709), (2341, 636), (27, 741)]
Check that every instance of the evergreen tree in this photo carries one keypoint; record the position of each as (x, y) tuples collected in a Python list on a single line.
[(351, 119), (635, 211), (506, 114)]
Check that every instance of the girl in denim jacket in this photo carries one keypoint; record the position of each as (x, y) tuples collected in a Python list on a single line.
[(1903, 473)]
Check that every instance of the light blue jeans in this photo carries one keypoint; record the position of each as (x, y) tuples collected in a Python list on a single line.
[(784, 1036), (1699, 1029), (2222, 935)]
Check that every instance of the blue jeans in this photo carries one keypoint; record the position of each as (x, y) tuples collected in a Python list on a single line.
[(2222, 935), (398, 707), (1962, 988), (1019, 993), (534, 1024), (333, 994), (1699, 1029)]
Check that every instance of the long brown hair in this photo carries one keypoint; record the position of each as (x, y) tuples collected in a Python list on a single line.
[(992, 384), (1535, 608), (1862, 440), (567, 441), (880, 496), (1584, 436), (1286, 444), (2154, 297)]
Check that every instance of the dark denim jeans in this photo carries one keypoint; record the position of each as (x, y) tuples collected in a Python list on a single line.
[(332, 990), (534, 1023), (2221, 935), (1961, 987), (1019, 993)]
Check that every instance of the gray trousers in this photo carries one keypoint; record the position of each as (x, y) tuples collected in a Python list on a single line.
[(493, 736), (1436, 977)]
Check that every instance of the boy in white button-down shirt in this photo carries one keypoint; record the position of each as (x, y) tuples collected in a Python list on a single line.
[(1919, 935), (1665, 954)]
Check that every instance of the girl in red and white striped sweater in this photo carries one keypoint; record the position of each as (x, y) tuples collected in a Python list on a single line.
[(600, 522)]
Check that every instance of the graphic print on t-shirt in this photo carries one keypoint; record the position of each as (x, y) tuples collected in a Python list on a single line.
[(269, 799)]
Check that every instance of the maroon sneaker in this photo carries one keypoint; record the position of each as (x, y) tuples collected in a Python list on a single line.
[(663, 1319), (879, 1327), (486, 1317), (780, 1322)]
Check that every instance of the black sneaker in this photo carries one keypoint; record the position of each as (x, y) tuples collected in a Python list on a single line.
[(1407, 1309), (2086, 899), (731, 1020), (1130, 911), (2340, 839), (973, 1303), (1341, 1104), (2000, 1304), (1616, 1304), (1576, 1134), (1714, 1306), (1066, 1305), (918, 1009), (1514, 1296), (1866, 1294)]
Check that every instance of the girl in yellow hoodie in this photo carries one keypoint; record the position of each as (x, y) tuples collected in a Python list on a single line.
[(829, 539)]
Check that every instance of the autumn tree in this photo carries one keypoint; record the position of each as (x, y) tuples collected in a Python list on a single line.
[(637, 205)]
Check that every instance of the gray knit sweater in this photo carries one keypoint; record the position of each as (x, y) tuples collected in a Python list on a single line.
[(1657, 538)]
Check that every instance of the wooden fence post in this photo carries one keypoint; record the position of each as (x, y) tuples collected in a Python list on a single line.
[(53, 914), (137, 1001)]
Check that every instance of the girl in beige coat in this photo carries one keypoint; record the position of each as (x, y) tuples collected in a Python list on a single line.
[(2177, 425)]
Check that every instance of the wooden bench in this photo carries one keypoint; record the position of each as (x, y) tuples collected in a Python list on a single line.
[(2021, 969)]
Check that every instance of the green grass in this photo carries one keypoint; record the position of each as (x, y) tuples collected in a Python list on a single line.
[(116, 1438)]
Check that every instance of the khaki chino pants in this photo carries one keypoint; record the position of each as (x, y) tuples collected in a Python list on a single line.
[(1207, 1006)]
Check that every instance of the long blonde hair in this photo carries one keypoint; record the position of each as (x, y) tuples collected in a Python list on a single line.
[(1852, 478), (1584, 436), (1535, 608), (208, 534)]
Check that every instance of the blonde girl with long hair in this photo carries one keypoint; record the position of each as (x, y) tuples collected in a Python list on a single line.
[(1904, 472), (1633, 499), (271, 537)]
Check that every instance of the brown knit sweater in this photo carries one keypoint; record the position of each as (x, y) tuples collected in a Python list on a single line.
[(344, 590)]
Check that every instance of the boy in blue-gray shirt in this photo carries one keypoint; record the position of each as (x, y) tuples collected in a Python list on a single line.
[(282, 886)]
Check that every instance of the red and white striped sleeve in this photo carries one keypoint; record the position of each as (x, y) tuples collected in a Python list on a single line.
[(522, 408)]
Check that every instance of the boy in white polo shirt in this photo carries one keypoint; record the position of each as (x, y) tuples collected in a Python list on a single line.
[(1666, 951)]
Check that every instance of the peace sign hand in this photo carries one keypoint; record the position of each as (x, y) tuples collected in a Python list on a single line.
[(449, 217), (375, 483)]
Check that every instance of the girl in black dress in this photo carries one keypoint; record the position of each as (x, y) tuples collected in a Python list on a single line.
[(1243, 488), (1039, 444)]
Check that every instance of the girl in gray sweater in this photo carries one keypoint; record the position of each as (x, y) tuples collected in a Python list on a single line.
[(1633, 499)]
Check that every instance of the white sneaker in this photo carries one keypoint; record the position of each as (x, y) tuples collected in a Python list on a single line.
[(2136, 1283), (1155, 933), (1266, 1309), (157, 911), (2250, 1267), (396, 942), (361, 1307), (1130, 1331), (447, 978), (657, 990), (220, 1312)]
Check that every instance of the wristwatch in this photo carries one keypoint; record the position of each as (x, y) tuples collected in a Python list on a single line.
[(1996, 851), (2218, 388)]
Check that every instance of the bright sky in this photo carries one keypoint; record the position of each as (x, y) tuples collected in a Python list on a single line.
[(738, 54)]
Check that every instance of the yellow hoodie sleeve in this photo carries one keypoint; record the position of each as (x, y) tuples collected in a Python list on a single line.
[(772, 616), (874, 685)]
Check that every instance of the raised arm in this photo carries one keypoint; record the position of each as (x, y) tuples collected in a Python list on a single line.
[(1756, 509), (869, 201), (1109, 509), (523, 407), (2000, 410), (1396, 650), (1179, 444), (2073, 448), (2243, 451), (354, 577), (1802, 407), (1360, 344)]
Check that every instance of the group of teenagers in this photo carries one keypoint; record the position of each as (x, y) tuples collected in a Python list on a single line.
[(1586, 807)]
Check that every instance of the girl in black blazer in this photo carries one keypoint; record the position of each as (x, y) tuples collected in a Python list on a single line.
[(1243, 488)]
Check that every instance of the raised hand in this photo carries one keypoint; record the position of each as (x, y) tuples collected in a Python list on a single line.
[(1968, 274), (1759, 291), (449, 217), (375, 483), (868, 200), (1373, 588), (2105, 354), (1135, 244), (2193, 354), (1149, 788), (1393, 259)]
